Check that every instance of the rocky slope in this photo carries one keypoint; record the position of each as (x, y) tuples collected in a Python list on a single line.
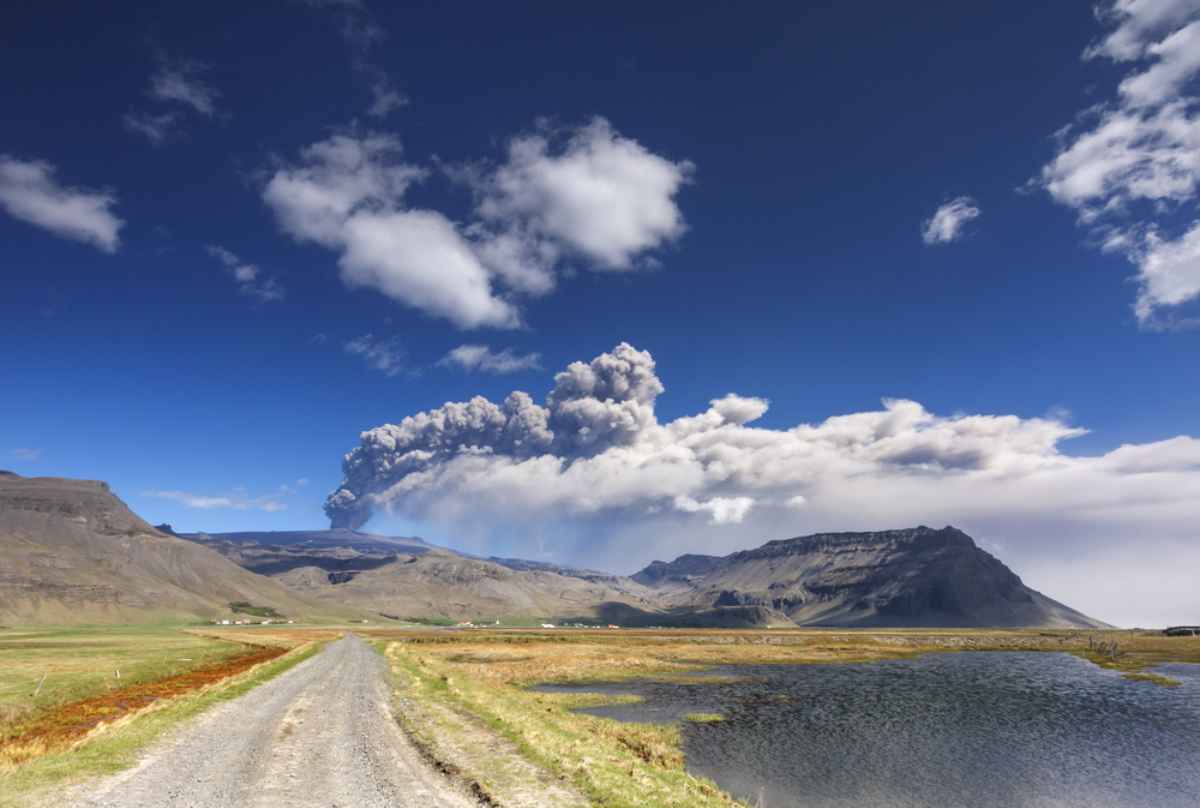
[(406, 578), (71, 552), (914, 577)]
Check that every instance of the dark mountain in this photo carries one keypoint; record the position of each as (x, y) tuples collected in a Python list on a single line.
[(681, 570), (913, 577)]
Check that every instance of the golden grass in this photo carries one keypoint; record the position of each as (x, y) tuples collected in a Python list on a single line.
[(111, 746), (41, 669), (98, 676), (626, 764)]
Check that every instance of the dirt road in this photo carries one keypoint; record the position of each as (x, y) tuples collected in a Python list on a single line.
[(319, 735)]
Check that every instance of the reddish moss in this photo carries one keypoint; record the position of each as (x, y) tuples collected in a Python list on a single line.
[(67, 723)]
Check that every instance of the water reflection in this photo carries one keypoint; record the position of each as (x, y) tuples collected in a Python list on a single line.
[(977, 729)]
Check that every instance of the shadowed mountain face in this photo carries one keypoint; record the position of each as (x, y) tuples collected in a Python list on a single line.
[(914, 577), (72, 552)]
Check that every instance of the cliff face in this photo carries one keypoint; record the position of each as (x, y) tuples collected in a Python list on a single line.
[(72, 552), (913, 577)]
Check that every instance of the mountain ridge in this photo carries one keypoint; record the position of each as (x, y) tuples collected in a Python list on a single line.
[(907, 577), (71, 551)]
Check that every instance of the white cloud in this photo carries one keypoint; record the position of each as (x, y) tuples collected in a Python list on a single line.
[(721, 510), (347, 194), (1136, 24), (599, 194), (29, 191), (601, 197), (177, 88), (948, 221), (385, 355), (386, 99), (251, 281), (1169, 272), (482, 357), (236, 500), (27, 455), (158, 128), (1135, 161), (181, 83), (621, 487)]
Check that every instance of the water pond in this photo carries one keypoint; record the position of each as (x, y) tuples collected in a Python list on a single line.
[(985, 730)]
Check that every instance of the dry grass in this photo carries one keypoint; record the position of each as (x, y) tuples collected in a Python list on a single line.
[(42, 669), (626, 764), (114, 745), (99, 675)]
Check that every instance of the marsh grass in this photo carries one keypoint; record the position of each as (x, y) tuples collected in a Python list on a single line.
[(1154, 678), (487, 673)]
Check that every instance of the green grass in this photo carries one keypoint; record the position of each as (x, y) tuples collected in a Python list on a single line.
[(1153, 678), (75, 663), (615, 764), (704, 718), (117, 747), (245, 607)]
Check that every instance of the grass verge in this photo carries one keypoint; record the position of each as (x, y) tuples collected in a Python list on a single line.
[(486, 674), (111, 747), (613, 764)]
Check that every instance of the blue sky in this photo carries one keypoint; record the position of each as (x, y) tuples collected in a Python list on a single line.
[(181, 325)]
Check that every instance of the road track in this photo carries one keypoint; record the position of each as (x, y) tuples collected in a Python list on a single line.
[(320, 734)]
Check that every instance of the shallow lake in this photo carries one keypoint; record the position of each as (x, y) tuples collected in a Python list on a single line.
[(945, 730)]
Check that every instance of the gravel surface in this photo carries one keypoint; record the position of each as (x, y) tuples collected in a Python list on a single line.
[(319, 735)]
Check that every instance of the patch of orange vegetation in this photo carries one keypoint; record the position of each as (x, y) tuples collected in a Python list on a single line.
[(68, 723)]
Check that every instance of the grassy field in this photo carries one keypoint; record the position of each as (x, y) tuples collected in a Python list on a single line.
[(81, 700), (462, 694), (485, 674), (114, 746), (41, 669)]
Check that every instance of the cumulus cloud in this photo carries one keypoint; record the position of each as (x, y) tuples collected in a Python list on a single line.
[(483, 358), (251, 281), (347, 193), (948, 221), (29, 191), (621, 487), (597, 196), (237, 500), (1133, 162), (385, 355)]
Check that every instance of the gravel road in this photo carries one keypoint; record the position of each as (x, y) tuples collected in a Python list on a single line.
[(319, 735)]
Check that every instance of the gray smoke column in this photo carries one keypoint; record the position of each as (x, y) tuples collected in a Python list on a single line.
[(593, 407)]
